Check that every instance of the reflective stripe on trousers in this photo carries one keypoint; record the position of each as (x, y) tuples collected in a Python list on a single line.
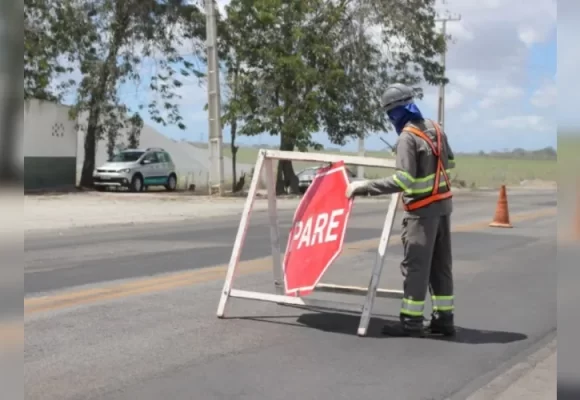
[(443, 303), (412, 308)]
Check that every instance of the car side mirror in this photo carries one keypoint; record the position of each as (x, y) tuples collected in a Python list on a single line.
[(145, 162)]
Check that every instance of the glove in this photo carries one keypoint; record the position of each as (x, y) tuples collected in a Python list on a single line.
[(354, 188)]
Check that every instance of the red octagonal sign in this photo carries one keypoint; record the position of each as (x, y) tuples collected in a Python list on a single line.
[(318, 230)]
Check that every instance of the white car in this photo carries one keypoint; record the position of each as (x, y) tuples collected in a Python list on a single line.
[(306, 176), (137, 169)]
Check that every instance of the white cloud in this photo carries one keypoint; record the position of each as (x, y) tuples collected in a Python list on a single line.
[(221, 4), (497, 28), (491, 4), (535, 123), (459, 31), (453, 98), (465, 79), (545, 96), (568, 61), (470, 116), (487, 65), (529, 36), (498, 95)]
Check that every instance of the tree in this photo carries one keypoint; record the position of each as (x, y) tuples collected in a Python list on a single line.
[(234, 106), (46, 45), (379, 48), (313, 67), (110, 41), (283, 74)]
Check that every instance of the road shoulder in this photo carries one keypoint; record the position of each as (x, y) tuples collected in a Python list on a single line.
[(92, 209), (534, 377)]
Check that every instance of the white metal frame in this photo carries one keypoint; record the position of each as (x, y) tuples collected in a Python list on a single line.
[(266, 159)]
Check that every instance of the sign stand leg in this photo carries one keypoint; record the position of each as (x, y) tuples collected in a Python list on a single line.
[(241, 235), (274, 228), (378, 267)]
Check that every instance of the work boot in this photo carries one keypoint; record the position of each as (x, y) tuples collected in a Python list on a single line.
[(442, 324), (406, 327)]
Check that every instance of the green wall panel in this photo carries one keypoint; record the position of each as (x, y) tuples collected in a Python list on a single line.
[(49, 172)]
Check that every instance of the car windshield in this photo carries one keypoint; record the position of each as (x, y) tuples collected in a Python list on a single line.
[(308, 172), (127, 156)]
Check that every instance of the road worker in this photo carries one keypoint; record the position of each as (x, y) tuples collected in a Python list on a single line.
[(423, 162)]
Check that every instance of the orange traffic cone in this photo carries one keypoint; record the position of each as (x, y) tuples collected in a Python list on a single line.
[(502, 215)]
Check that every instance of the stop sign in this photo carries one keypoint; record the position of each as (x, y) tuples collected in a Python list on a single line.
[(318, 230)]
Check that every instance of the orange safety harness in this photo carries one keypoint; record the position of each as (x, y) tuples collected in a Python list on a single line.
[(435, 195)]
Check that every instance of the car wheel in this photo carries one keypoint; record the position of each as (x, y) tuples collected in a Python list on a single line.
[(136, 184), (171, 183), (100, 188)]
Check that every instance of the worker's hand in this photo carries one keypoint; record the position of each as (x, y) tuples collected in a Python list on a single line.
[(355, 188)]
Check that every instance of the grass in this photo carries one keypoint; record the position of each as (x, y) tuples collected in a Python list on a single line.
[(568, 159), (471, 170)]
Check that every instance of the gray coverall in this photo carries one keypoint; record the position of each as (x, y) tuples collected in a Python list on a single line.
[(426, 236)]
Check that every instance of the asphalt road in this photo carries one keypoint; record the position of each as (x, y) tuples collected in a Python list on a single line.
[(164, 341), (83, 256), (568, 321)]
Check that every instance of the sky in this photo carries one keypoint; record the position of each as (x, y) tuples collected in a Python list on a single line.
[(501, 64), (568, 63)]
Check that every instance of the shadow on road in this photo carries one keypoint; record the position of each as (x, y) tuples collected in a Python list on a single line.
[(329, 322), (344, 323), (347, 324), (477, 336)]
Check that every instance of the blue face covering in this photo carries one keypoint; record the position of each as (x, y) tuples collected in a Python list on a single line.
[(401, 115)]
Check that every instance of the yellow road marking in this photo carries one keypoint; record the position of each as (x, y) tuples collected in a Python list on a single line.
[(181, 279)]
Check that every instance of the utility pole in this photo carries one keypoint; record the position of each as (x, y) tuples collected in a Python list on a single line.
[(215, 139), (360, 170), (441, 111)]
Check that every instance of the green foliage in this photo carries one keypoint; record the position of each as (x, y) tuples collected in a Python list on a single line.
[(111, 41), (122, 36), (316, 65), (287, 64), (381, 47), (293, 67), (46, 39)]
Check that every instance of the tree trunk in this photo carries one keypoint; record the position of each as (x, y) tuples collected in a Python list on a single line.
[(98, 96), (111, 141), (285, 177), (133, 138), (234, 149), (90, 148)]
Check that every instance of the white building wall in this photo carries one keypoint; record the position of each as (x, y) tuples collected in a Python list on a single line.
[(48, 130)]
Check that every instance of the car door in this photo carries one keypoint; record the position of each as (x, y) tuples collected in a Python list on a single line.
[(163, 165), (150, 167)]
